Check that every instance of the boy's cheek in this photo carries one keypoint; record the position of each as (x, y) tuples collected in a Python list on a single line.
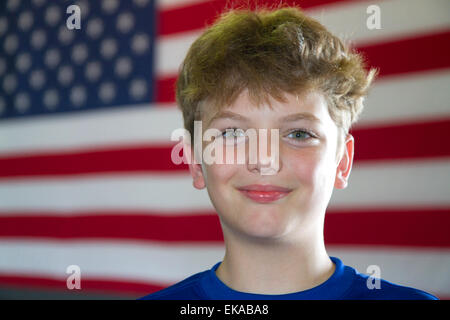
[(220, 174)]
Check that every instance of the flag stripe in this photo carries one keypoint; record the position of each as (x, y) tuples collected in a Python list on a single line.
[(97, 129), (98, 261), (413, 227), (134, 261), (392, 184), (395, 22), (405, 55), (433, 51), (149, 158), (406, 98), (403, 141)]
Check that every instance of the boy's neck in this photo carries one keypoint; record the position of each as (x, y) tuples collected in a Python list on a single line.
[(275, 269)]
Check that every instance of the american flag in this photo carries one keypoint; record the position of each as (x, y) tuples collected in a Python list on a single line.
[(86, 177)]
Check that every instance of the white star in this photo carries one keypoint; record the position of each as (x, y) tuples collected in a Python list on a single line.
[(52, 15), (38, 3), (52, 58), (108, 48), (78, 95), (138, 88), (110, 6), (140, 43), (25, 20), (95, 28), (65, 36), (37, 79), (107, 92), (125, 22), (38, 39), (123, 67), (22, 102), (79, 53), (93, 71), (65, 75), (23, 62), (12, 5), (51, 98)]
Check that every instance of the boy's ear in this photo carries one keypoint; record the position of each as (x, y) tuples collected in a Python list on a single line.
[(198, 179), (345, 163)]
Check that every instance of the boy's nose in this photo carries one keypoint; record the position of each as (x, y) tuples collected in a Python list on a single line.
[(266, 161)]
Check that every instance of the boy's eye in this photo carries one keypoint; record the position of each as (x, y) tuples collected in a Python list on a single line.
[(300, 135), (233, 136), (233, 133)]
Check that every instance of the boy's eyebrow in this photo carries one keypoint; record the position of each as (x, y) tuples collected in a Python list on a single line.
[(300, 116), (289, 118), (227, 115)]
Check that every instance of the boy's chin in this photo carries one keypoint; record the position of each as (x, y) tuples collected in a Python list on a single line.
[(261, 225)]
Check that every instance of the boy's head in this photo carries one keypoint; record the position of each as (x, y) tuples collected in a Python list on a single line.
[(270, 53), (274, 69)]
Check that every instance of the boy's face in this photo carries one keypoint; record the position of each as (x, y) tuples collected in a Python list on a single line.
[(293, 198)]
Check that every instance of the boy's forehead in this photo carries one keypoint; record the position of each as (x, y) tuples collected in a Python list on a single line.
[(303, 106)]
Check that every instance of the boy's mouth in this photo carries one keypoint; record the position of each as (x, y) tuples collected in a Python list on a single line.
[(264, 193)]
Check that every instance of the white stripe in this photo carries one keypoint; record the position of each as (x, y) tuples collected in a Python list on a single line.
[(395, 99), (116, 126), (139, 261), (130, 192), (425, 269), (397, 184), (407, 98), (171, 50), (399, 18)]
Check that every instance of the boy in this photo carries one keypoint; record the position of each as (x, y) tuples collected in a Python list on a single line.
[(275, 70)]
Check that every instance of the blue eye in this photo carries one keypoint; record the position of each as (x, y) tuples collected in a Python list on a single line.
[(233, 133), (300, 135)]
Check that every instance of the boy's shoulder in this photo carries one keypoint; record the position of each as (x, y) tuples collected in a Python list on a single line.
[(367, 287), (186, 289)]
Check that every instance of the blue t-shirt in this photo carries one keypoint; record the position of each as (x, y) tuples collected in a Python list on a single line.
[(345, 283)]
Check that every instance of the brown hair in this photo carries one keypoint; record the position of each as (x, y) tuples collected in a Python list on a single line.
[(271, 52)]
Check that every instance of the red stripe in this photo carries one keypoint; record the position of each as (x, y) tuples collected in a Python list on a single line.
[(120, 225), (199, 15), (144, 158), (402, 141), (165, 89), (123, 287), (389, 227), (423, 53)]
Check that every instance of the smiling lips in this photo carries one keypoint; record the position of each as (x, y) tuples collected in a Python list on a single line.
[(264, 193)]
